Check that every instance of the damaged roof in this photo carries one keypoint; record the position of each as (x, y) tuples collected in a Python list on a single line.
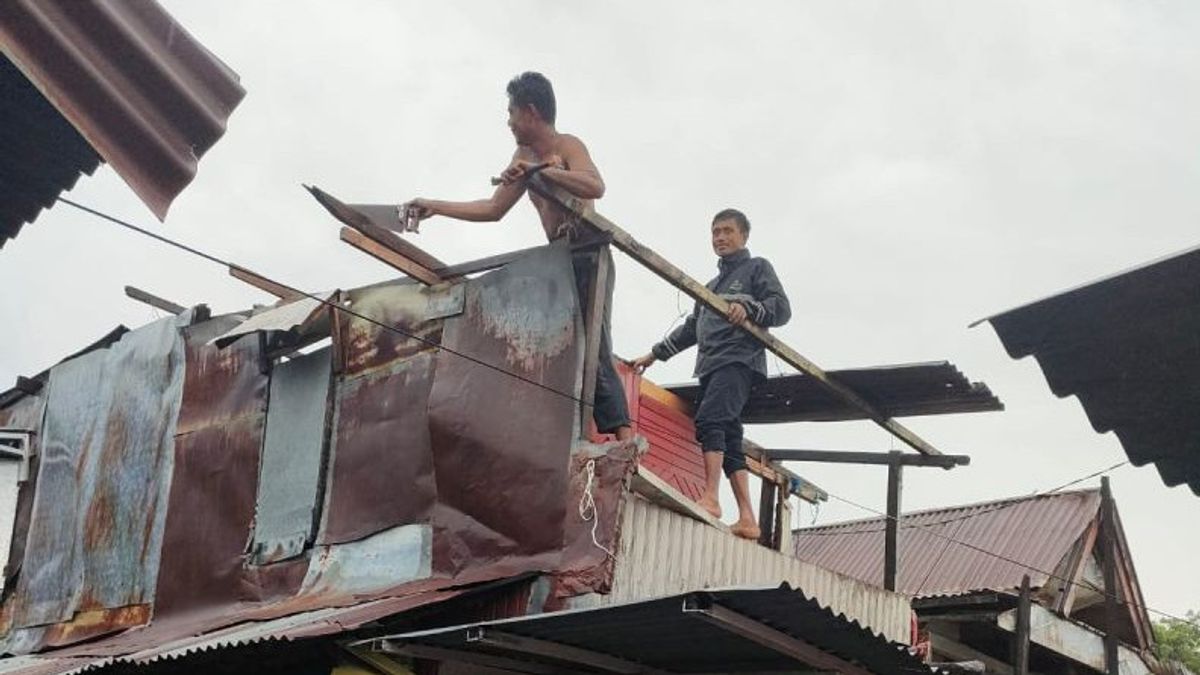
[(1128, 346), (934, 388), (87, 81)]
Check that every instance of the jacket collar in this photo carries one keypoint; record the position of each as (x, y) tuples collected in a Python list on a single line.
[(729, 262)]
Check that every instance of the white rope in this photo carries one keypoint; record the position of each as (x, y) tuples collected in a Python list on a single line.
[(587, 506)]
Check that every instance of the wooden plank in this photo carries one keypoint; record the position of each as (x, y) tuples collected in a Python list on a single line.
[(593, 326), (153, 300), (381, 235), (891, 531), (846, 457), (766, 514), (387, 256), (957, 651), (657, 490), (1112, 611), (1021, 639), (264, 284), (676, 277)]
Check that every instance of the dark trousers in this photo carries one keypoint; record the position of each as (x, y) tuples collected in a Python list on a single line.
[(610, 409), (723, 394)]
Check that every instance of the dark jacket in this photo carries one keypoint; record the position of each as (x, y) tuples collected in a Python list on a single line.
[(744, 279)]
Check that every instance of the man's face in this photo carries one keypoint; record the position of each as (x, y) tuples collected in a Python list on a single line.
[(519, 121), (727, 237)]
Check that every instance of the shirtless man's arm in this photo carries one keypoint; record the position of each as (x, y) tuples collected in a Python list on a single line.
[(581, 179), (486, 210)]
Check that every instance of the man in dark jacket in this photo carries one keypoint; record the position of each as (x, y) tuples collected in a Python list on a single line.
[(729, 360)]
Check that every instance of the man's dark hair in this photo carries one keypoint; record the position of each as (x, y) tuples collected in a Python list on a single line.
[(736, 216), (530, 88)]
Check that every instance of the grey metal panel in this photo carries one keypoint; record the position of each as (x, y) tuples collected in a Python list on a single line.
[(290, 472), (662, 552), (106, 459)]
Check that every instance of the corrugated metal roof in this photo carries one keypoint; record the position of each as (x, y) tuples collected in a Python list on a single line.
[(1129, 347), (1036, 532), (898, 391), (119, 79), (662, 634), (662, 552)]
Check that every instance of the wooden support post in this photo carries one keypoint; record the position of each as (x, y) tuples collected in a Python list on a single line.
[(593, 319), (892, 526), (676, 277), (264, 284), (1021, 639), (390, 257), (154, 301), (1112, 612), (766, 513), (783, 524)]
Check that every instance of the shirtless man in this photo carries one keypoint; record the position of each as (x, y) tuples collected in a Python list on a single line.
[(561, 159)]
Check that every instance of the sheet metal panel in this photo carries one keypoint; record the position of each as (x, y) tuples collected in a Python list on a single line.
[(662, 553), (289, 482), (1127, 346), (1035, 531), (899, 391), (217, 444), (145, 95), (95, 526), (502, 444)]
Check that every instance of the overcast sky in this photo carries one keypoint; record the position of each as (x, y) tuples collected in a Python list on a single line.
[(908, 168)]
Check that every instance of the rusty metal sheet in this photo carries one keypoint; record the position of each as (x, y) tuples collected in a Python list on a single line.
[(212, 497), (409, 307), (106, 437), (144, 94), (381, 459), (502, 444), (289, 482)]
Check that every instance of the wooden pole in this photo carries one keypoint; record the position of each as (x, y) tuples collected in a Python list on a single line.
[(892, 528), (1021, 640), (766, 514), (593, 318), (676, 277), (1112, 612), (153, 300)]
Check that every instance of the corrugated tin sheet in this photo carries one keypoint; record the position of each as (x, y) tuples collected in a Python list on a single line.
[(1128, 347), (663, 553), (660, 634), (105, 454), (936, 388), (123, 77), (1037, 532)]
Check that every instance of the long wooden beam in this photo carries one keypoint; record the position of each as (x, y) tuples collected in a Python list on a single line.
[(264, 284), (387, 256), (678, 278), (883, 458), (135, 293)]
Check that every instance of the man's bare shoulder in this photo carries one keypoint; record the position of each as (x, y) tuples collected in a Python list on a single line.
[(570, 141)]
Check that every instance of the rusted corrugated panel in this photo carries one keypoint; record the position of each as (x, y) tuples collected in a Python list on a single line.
[(898, 391), (1126, 346), (381, 471), (502, 444), (289, 484), (217, 444), (662, 553), (1036, 532), (144, 94), (95, 525)]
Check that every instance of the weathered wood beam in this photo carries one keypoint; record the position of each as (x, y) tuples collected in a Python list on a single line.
[(264, 284), (521, 644), (135, 293), (760, 633), (884, 458), (1112, 611), (676, 277), (891, 532), (1021, 638), (390, 257), (766, 514)]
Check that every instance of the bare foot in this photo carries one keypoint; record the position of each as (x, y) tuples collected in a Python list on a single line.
[(710, 505), (746, 530)]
